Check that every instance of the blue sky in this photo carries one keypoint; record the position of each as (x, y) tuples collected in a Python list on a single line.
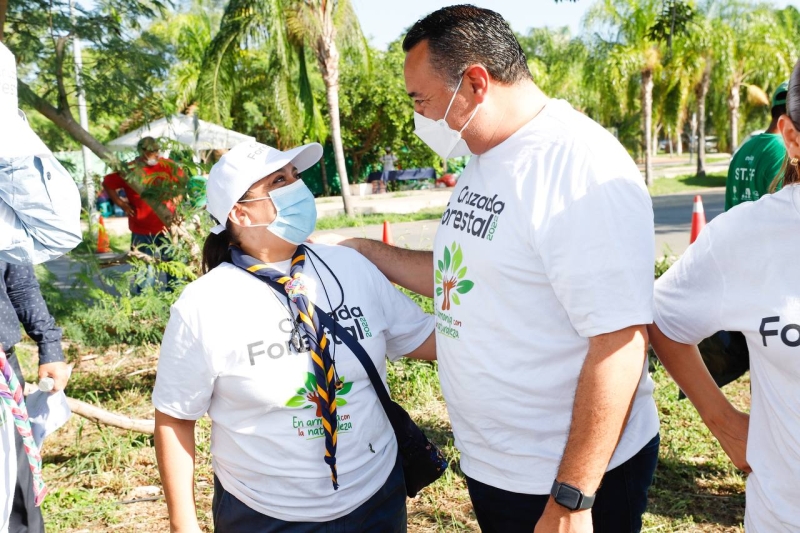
[(384, 20)]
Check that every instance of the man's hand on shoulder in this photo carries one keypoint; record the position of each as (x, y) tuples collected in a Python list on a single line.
[(334, 239)]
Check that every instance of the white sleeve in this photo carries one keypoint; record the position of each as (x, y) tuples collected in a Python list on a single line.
[(408, 325), (689, 296), (39, 210), (184, 382), (598, 254)]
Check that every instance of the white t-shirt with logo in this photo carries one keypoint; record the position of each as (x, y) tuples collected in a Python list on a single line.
[(547, 240), (741, 275), (227, 351)]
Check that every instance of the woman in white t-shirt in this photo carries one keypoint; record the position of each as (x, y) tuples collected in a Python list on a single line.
[(740, 276), (299, 441)]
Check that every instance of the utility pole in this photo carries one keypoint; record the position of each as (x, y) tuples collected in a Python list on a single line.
[(88, 184)]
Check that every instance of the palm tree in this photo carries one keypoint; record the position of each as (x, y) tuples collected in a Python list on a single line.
[(286, 30), (625, 51)]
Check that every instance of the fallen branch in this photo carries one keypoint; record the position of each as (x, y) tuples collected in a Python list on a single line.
[(107, 418)]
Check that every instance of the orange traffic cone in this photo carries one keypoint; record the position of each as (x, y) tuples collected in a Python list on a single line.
[(103, 243), (387, 233), (698, 218)]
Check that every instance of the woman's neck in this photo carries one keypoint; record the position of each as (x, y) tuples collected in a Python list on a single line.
[(274, 253)]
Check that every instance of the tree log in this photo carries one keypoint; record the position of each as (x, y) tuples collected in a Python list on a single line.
[(107, 418)]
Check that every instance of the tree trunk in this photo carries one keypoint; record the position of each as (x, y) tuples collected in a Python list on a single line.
[(655, 140), (328, 56), (679, 142), (647, 117), (733, 105), (3, 9), (702, 92), (323, 172)]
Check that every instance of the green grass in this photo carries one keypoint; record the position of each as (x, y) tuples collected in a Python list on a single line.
[(343, 221), (688, 183)]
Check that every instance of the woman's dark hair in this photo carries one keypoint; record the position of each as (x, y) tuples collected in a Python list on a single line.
[(791, 173), (216, 249), (460, 36)]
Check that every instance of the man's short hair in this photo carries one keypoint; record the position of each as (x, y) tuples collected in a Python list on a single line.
[(464, 35), (148, 144), (778, 110)]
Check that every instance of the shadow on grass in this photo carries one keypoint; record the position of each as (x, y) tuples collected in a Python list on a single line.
[(676, 493), (709, 180)]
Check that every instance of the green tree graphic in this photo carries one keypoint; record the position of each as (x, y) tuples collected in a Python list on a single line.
[(308, 393), (450, 275)]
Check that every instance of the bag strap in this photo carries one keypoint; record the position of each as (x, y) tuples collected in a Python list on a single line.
[(355, 347)]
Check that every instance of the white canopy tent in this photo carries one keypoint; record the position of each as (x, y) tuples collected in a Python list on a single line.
[(189, 130)]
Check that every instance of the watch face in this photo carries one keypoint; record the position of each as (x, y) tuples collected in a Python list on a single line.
[(568, 497)]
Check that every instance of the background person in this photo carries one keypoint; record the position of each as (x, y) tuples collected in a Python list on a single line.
[(39, 220), (711, 288), (542, 277), (757, 163), (148, 231), (388, 160), (231, 349)]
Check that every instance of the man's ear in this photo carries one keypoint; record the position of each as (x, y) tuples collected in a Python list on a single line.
[(791, 137), (478, 81)]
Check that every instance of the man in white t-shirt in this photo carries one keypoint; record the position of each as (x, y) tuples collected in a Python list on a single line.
[(542, 274)]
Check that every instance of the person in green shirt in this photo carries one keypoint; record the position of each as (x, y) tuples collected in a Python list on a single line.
[(758, 161)]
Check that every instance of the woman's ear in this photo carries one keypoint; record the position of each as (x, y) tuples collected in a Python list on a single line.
[(238, 215), (791, 137)]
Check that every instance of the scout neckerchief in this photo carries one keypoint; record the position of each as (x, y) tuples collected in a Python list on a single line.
[(296, 286), (11, 397)]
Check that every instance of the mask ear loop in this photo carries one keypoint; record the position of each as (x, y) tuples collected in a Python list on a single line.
[(453, 99)]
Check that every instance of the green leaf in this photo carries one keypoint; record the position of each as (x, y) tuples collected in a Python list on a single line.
[(438, 277), (458, 256), (454, 297), (441, 266), (302, 392), (311, 382), (340, 402), (462, 273), (296, 401), (345, 389), (308, 406), (439, 291), (446, 260), (464, 286)]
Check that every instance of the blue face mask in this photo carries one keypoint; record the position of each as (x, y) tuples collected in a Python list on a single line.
[(297, 212)]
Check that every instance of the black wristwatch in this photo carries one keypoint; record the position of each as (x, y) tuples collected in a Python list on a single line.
[(571, 497)]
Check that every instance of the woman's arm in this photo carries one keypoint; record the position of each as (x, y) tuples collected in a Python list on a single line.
[(426, 350), (685, 365), (175, 455)]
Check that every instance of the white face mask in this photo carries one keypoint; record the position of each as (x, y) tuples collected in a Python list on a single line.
[(440, 137), (152, 162)]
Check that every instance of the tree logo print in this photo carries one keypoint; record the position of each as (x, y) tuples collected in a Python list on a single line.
[(450, 275), (308, 394)]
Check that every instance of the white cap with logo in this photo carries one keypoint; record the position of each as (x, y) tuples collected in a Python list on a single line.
[(245, 164), (17, 139)]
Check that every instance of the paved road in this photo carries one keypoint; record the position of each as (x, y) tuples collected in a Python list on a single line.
[(673, 223)]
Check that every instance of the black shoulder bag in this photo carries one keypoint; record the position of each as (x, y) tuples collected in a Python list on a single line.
[(423, 462)]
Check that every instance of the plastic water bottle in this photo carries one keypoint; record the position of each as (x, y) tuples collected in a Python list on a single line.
[(47, 384)]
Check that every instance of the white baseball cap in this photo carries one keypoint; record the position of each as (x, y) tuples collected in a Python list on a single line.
[(245, 164), (17, 139)]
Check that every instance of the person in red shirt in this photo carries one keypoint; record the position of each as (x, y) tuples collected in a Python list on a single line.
[(148, 231)]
